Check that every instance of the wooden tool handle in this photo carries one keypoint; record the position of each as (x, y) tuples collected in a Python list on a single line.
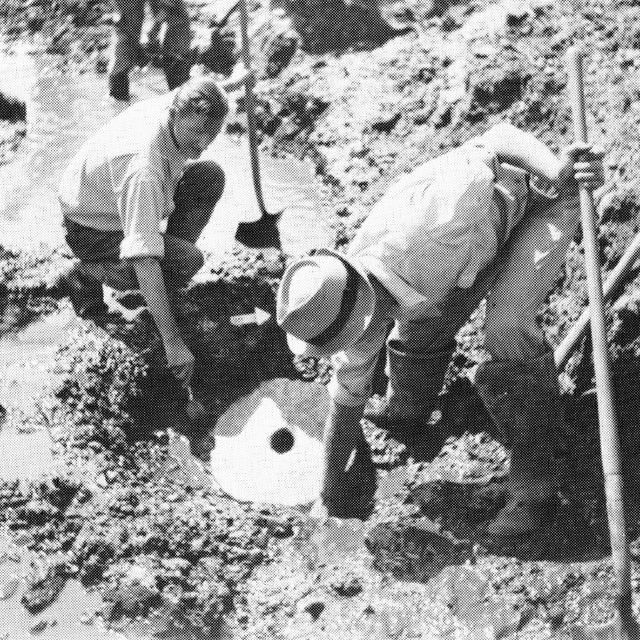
[(609, 442)]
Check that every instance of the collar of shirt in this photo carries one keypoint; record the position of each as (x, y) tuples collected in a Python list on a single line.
[(169, 150)]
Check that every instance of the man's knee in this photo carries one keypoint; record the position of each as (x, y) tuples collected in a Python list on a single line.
[(514, 337), (183, 263), (201, 185)]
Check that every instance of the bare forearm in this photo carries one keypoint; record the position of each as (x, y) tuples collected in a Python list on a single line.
[(524, 150), (154, 291)]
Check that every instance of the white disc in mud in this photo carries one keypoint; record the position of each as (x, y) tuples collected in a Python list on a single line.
[(276, 457)]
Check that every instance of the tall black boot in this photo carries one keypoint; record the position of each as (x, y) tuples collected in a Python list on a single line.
[(523, 398), (84, 291), (415, 380)]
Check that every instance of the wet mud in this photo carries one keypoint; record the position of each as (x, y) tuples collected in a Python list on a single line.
[(120, 510)]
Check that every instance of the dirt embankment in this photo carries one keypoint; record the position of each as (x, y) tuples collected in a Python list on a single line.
[(366, 101)]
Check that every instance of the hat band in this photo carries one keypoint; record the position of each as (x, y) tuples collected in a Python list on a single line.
[(347, 304)]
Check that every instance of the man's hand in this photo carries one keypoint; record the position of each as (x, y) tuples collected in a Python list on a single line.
[(179, 359), (238, 77), (580, 164), (349, 481)]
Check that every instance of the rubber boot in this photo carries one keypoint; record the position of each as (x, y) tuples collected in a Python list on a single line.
[(84, 291), (119, 85), (523, 399), (415, 380), (177, 72)]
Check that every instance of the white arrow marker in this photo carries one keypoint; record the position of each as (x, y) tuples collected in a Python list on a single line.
[(257, 317)]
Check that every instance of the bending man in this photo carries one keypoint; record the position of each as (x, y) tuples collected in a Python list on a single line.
[(492, 218)]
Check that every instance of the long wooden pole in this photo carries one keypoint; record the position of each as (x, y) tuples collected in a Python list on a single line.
[(609, 442), (251, 107)]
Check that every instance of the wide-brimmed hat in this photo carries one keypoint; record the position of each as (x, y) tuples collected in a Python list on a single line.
[(325, 303)]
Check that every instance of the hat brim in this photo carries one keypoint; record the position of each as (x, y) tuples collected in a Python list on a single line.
[(356, 325)]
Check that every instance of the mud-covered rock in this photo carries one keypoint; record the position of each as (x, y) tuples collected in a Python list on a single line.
[(338, 25), (42, 590), (414, 550)]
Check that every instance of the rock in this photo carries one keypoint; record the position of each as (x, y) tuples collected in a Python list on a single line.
[(131, 600), (39, 627), (314, 609), (346, 584), (41, 591), (8, 587), (24, 539), (280, 52), (336, 25), (411, 550), (517, 12)]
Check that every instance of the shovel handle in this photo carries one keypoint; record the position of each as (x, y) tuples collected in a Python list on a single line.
[(609, 442)]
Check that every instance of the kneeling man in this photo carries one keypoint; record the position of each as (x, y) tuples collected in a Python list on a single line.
[(136, 173)]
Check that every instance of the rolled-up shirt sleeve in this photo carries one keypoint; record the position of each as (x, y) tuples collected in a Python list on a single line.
[(353, 372), (140, 204)]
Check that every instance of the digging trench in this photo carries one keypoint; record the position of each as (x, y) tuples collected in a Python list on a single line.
[(167, 554)]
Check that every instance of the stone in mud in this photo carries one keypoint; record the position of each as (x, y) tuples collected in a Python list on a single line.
[(11, 496), (130, 600), (456, 505), (41, 591), (411, 550), (346, 583), (335, 25), (38, 512), (492, 89), (38, 627), (280, 51), (314, 608), (9, 587)]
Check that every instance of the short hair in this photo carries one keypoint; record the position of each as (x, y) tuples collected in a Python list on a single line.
[(201, 95)]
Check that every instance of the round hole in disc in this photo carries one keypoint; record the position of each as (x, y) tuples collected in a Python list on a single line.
[(282, 440)]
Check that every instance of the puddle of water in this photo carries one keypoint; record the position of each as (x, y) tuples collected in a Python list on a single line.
[(65, 108), (25, 359)]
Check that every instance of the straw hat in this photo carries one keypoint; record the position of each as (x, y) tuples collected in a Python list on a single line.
[(325, 303)]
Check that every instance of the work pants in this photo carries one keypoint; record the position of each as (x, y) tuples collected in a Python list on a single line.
[(515, 284), (126, 50)]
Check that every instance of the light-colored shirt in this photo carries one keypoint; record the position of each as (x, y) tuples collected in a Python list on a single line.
[(124, 178), (434, 230)]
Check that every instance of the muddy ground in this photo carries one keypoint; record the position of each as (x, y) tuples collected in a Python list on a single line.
[(366, 92)]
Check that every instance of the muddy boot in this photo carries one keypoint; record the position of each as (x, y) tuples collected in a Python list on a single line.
[(177, 72), (523, 398), (415, 380), (84, 291), (119, 85), (261, 234)]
